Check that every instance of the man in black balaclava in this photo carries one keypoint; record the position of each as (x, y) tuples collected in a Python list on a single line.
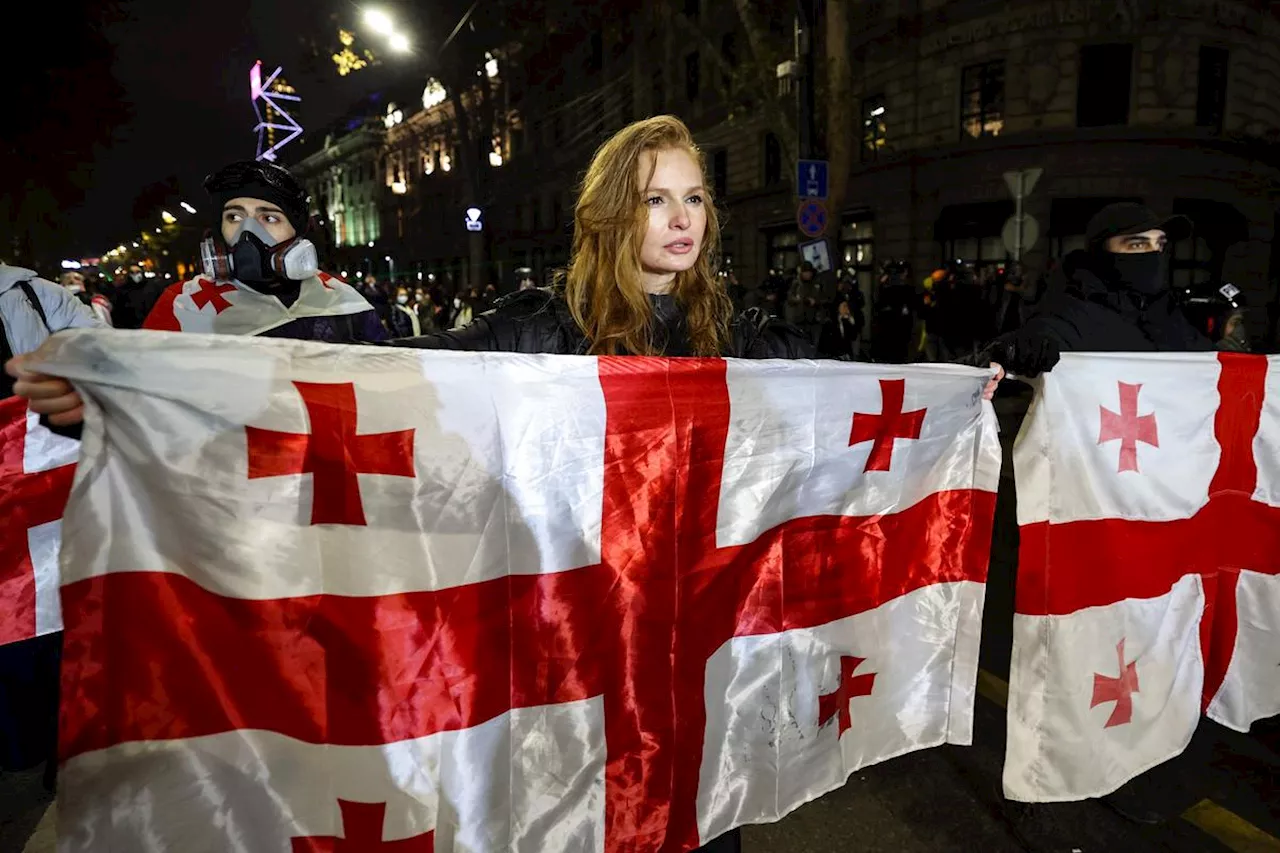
[(1112, 296)]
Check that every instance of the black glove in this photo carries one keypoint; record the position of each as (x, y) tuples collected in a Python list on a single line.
[(1026, 355)]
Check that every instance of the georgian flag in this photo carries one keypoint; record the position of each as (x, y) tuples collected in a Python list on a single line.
[(230, 308), (36, 468), (331, 598), (1148, 585)]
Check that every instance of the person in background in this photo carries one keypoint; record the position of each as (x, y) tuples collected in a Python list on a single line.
[(404, 316), (31, 309), (135, 295), (1112, 296), (260, 272), (839, 338), (525, 279), (893, 314), (426, 311), (77, 284)]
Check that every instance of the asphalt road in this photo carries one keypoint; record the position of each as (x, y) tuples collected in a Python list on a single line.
[(1224, 795)]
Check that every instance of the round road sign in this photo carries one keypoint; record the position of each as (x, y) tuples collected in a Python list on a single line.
[(812, 218)]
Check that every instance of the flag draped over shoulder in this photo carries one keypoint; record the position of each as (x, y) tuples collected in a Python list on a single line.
[(330, 598), (1149, 565)]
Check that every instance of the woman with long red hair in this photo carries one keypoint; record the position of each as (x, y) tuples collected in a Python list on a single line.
[(642, 277)]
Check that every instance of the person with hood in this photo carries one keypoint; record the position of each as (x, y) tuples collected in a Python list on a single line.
[(134, 297), (31, 309), (1112, 296), (261, 275)]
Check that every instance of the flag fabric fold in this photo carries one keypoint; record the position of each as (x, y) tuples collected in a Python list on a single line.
[(328, 598), (1148, 566)]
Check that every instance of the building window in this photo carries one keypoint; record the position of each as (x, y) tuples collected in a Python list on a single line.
[(692, 76), (659, 94), (557, 130), (857, 252), (784, 251), (873, 126), (1211, 88), (728, 52), (1106, 72), (971, 232), (982, 100), (720, 173), (1192, 263), (772, 160)]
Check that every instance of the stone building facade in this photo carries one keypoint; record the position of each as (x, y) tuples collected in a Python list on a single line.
[(1175, 103)]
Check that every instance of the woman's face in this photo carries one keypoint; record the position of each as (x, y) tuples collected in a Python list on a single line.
[(675, 199)]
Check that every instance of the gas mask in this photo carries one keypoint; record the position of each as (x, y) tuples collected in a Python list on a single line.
[(255, 257)]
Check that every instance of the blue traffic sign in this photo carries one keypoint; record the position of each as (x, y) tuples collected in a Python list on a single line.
[(811, 179), (812, 218)]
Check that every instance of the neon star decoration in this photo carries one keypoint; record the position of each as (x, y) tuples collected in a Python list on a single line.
[(277, 118)]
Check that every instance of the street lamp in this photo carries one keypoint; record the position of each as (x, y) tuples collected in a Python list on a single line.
[(399, 43), (379, 21), (168, 217), (188, 208)]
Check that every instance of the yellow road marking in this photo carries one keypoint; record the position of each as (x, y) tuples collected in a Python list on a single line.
[(1231, 829), (993, 688)]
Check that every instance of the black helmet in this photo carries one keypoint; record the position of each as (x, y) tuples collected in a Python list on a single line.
[(259, 179)]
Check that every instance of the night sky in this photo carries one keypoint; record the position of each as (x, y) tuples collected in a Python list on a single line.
[(119, 105)]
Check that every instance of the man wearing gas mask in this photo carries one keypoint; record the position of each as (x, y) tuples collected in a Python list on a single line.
[(1112, 296), (260, 275)]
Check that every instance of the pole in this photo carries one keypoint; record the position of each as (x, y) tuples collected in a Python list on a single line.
[(806, 21)]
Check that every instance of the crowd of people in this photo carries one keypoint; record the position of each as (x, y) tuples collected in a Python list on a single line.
[(955, 311)]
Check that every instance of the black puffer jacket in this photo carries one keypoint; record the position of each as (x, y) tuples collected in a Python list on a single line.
[(1080, 312), (538, 321)]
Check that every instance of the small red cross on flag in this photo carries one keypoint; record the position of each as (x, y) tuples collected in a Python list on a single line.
[(883, 429), (836, 703), (1119, 689), (362, 833), (1128, 426), (212, 293), (333, 453)]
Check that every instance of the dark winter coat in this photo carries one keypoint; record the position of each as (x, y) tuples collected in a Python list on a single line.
[(1082, 313), (132, 301), (538, 321)]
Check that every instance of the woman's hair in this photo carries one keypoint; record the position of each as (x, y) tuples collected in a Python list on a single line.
[(603, 285)]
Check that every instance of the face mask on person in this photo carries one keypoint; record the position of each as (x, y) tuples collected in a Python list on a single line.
[(256, 256), (457, 303), (402, 299), (1143, 272)]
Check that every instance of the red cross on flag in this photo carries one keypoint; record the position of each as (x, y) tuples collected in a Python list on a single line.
[(407, 600), (1149, 565), (36, 469)]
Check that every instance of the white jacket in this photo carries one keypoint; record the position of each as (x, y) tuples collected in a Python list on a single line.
[(22, 325)]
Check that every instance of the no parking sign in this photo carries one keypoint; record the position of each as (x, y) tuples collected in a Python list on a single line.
[(812, 218)]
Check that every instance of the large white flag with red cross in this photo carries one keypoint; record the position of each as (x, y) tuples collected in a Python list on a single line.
[(36, 467), (1149, 565), (327, 598)]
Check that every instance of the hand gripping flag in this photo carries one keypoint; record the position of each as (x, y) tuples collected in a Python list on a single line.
[(36, 467), (1149, 565), (342, 598)]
